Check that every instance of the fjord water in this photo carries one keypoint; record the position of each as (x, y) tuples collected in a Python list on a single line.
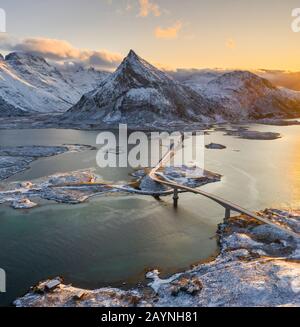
[(113, 239)]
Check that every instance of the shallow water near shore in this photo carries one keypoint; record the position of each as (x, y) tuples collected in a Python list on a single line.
[(113, 239)]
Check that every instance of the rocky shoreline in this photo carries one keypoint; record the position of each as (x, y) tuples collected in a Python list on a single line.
[(14, 160), (53, 121), (258, 265), (78, 186)]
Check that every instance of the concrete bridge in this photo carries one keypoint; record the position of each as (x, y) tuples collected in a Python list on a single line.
[(156, 176)]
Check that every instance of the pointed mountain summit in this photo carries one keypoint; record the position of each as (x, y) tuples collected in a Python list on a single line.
[(140, 94), (134, 67)]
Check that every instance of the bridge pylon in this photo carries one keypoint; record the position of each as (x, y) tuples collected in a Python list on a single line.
[(175, 198)]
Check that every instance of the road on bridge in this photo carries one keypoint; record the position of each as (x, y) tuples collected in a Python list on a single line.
[(158, 177)]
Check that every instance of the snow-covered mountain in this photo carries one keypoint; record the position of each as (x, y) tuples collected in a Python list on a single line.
[(28, 83), (138, 93), (245, 95), (196, 78), (8, 110)]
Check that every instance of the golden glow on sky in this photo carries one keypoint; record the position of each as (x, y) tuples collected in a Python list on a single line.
[(246, 34)]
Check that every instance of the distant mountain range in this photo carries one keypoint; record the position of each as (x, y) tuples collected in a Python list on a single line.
[(280, 78), (139, 94), (28, 83), (245, 95)]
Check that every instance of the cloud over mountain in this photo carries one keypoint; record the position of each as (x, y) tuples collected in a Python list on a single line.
[(60, 50)]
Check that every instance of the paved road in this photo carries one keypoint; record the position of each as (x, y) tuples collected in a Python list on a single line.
[(229, 206)]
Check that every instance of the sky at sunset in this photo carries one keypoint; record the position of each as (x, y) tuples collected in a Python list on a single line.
[(173, 34)]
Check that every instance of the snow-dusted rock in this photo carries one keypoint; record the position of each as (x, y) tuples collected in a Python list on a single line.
[(28, 83), (23, 204), (215, 146), (254, 135), (17, 159), (245, 95), (139, 94)]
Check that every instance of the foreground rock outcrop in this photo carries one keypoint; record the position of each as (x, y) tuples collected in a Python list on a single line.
[(258, 265)]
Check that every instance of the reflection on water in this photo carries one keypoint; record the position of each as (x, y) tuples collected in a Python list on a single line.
[(293, 172), (112, 239)]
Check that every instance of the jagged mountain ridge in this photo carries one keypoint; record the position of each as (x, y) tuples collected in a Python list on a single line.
[(246, 95), (198, 77), (28, 83), (139, 93)]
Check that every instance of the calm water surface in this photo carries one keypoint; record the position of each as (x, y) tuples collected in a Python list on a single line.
[(114, 239)]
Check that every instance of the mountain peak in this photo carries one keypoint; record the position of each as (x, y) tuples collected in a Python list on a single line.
[(25, 57), (135, 68), (132, 57), (138, 93), (132, 54)]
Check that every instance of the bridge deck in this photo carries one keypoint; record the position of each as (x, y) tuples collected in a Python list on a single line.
[(229, 206)]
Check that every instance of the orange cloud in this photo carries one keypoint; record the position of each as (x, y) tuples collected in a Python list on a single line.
[(169, 32), (147, 7), (61, 50)]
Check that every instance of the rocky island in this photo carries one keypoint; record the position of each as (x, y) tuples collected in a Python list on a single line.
[(78, 186), (16, 159), (215, 146), (253, 135)]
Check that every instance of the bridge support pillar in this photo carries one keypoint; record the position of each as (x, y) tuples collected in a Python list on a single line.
[(227, 213), (175, 198)]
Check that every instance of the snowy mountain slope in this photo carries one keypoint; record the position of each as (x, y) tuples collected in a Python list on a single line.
[(29, 83), (7, 110), (196, 78), (83, 79), (139, 94), (246, 95)]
